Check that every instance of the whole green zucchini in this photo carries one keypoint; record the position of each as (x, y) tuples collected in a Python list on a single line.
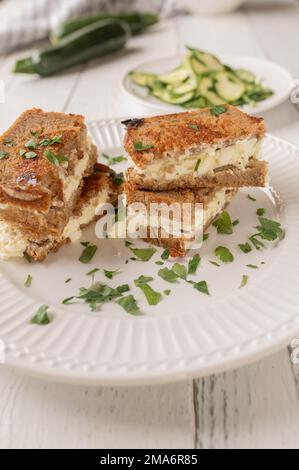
[(93, 41), (136, 22)]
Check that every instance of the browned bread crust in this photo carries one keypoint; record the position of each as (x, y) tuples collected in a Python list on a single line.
[(99, 181), (255, 174), (172, 133)]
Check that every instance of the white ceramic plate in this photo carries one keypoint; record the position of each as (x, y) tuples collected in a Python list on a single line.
[(273, 76), (187, 334)]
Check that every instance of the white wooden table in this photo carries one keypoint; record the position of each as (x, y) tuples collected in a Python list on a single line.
[(256, 406)]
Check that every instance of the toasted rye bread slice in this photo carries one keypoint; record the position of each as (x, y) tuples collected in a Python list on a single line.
[(172, 134), (97, 188), (36, 194), (255, 174)]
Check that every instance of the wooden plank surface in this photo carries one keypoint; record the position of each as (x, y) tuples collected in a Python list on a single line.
[(255, 406)]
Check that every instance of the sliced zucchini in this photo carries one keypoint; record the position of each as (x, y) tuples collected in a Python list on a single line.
[(197, 67), (189, 85), (168, 97), (205, 89), (176, 76), (208, 62), (143, 78), (245, 75), (228, 86)]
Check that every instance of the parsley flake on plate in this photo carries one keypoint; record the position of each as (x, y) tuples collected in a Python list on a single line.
[(165, 254), (28, 281), (202, 287), (143, 254), (245, 247), (129, 304), (88, 252), (244, 281), (224, 224), (193, 264), (224, 254), (151, 295), (41, 317), (180, 270), (168, 275), (111, 274)]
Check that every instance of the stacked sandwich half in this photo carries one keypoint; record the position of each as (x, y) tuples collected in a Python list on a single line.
[(50, 184), (200, 158)]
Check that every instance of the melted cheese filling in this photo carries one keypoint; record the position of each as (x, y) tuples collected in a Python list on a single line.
[(13, 243), (204, 163)]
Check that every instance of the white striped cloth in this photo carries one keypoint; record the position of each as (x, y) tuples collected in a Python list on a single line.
[(24, 21)]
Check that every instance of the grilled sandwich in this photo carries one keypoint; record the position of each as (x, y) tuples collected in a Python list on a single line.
[(174, 219), (44, 157), (212, 147), (99, 188)]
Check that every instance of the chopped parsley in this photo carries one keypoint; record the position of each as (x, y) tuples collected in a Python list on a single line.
[(8, 142), (27, 257), (41, 317), (193, 126), (3, 154), (68, 280), (165, 254), (168, 275), (31, 144), (151, 295), (180, 270), (114, 160), (88, 253), (217, 110), (244, 281), (127, 243), (159, 263), (224, 254), (260, 211), (245, 247), (193, 264), (30, 155), (28, 281), (118, 178), (197, 164), (92, 272), (236, 222), (167, 291), (54, 158), (205, 237), (129, 304), (202, 287), (224, 224), (35, 133), (110, 274), (251, 198), (22, 152), (57, 139), (141, 146), (67, 300), (143, 254), (252, 266)]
